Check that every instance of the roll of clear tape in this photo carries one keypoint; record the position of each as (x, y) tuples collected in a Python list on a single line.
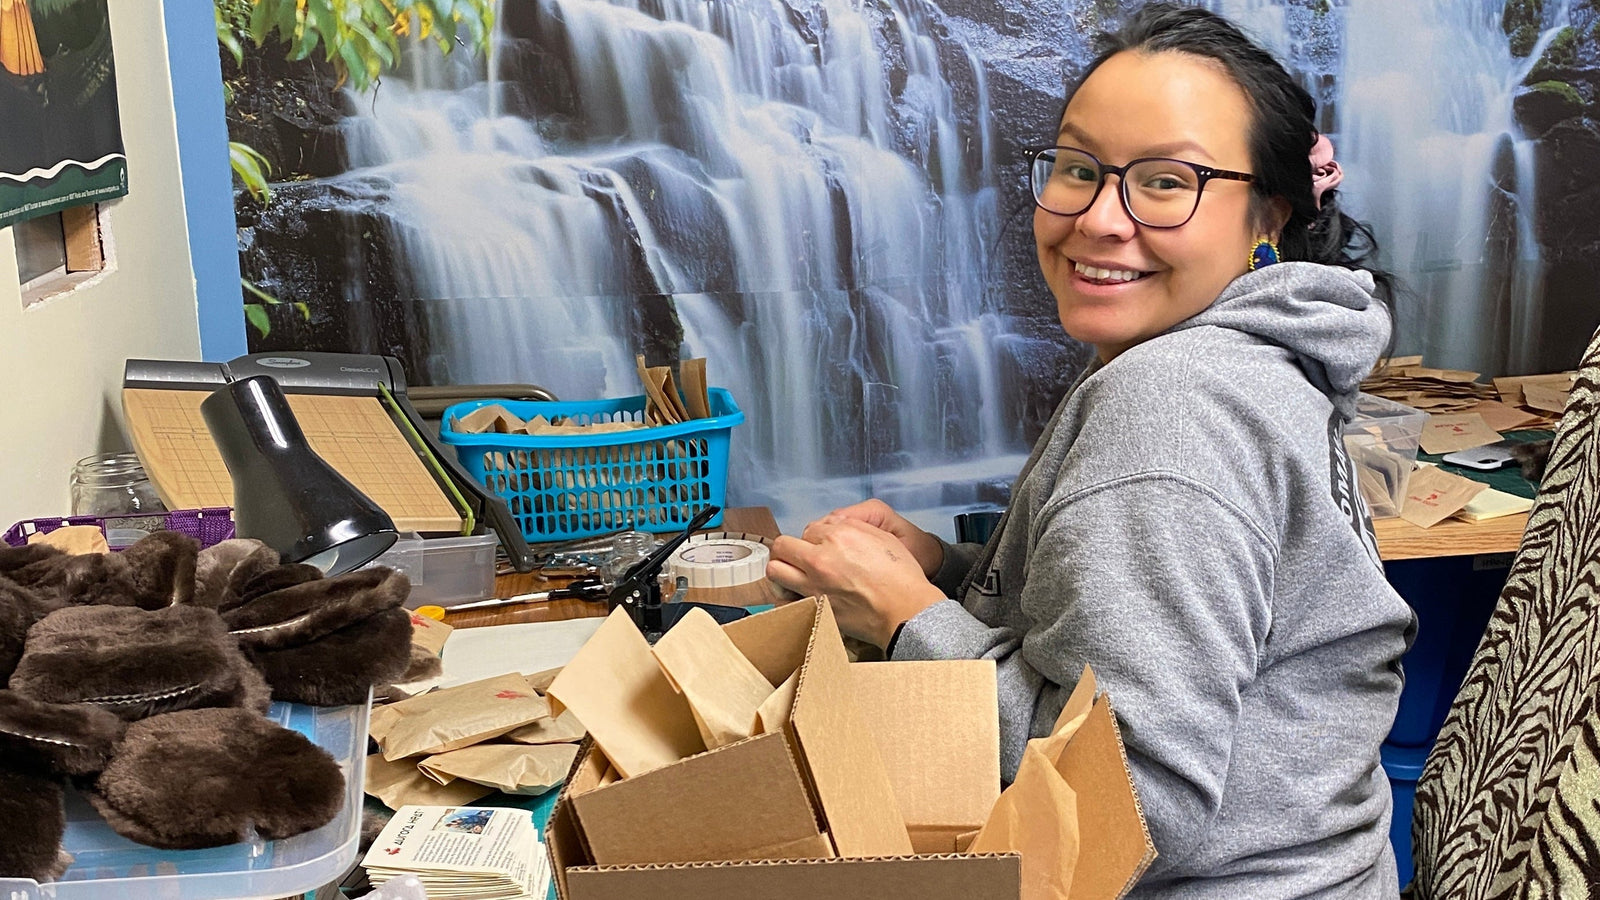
[(720, 560)]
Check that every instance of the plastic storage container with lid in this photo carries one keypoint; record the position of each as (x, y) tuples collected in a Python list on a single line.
[(443, 570), (1382, 442), (107, 865)]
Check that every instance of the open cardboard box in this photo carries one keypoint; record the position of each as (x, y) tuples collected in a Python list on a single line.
[(867, 786)]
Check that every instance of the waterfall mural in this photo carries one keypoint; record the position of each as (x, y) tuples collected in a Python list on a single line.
[(826, 199)]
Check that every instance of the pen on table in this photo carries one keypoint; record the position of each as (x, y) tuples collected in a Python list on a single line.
[(592, 589)]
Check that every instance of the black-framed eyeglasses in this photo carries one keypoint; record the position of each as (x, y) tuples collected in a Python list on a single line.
[(1156, 192)]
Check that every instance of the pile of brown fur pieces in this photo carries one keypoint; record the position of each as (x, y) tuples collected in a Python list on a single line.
[(141, 678)]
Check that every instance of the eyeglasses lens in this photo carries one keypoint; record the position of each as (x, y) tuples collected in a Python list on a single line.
[(1160, 193)]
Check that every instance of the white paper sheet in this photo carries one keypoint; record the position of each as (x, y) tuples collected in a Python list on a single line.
[(472, 654)]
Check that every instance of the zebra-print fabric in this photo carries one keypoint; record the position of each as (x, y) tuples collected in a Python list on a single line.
[(1509, 802)]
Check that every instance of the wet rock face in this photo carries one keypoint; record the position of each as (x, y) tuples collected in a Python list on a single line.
[(288, 111), (325, 252), (1559, 107)]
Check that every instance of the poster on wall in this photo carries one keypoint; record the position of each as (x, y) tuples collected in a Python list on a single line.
[(60, 135), (828, 200)]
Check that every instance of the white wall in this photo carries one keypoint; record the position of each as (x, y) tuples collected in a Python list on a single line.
[(61, 378)]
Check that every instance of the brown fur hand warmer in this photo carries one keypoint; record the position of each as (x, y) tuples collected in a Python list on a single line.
[(55, 739), (338, 669), (30, 805), (302, 613), (156, 572), (137, 663), (145, 673), (206, 777)]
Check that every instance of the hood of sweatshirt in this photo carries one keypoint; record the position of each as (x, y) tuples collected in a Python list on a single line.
[(1329, 317)]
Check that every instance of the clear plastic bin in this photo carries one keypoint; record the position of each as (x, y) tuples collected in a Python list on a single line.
[(107, 865), (1382, 442), (443, 570)]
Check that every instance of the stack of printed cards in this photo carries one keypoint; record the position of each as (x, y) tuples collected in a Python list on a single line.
[(465, 852)]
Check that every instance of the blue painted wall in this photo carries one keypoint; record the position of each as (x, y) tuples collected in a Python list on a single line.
[(207, 178)]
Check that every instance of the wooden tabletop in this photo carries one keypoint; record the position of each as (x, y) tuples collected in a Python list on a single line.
[(1399, 539), (750, 520)]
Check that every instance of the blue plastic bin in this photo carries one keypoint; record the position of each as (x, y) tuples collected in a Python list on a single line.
[(1403, 765), (570, 486), (1453, 597)]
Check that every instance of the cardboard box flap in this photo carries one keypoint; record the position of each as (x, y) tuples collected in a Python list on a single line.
[(723, 804), (562, 836), (1115, 845), (774, 641), (840, 749), (938, 729), (618, 691), (924, 878)]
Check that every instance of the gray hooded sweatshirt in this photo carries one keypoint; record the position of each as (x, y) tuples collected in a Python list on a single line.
[(1189, 525)]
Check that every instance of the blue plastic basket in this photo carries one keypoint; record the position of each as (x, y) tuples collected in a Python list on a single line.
[(570, 486)]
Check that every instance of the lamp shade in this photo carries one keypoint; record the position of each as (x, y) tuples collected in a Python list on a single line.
[(284, 494)]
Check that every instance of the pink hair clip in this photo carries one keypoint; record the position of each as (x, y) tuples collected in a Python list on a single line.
[(1325, 171)]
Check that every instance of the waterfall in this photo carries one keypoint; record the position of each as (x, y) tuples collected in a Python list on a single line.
[(1425, 153), (793, 178)]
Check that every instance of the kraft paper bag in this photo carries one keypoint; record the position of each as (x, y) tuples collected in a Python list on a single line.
[(398, 784), (491, 419), (1500, 416), (1545, 397), (539, 425), (540, 681), (660, 409), (562, 729), (512, 768), (456, 717), (77, 540), (695, 395), (1449, 434), (1433, 495), (618, 691), (429, 634), (724, 689), (1037, 816), (774, 711)]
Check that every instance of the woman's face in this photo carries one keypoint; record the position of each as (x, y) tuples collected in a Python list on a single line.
[(1139, 105)]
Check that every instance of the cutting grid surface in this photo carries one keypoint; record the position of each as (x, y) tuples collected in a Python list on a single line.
[(354, 434)]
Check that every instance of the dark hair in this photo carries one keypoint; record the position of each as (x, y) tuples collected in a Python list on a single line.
[(1282, 130)]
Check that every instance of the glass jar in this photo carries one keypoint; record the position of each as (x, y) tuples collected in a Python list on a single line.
[(627, 549), (112, 484)]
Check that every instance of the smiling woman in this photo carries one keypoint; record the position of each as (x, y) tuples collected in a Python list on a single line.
[(1188, 523), (1170, 263)]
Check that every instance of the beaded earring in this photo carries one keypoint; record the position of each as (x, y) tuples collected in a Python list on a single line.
[(1263, 253)]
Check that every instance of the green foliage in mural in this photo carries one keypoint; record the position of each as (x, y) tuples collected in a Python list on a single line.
[(255, 311), (361, 39), (252, 169)]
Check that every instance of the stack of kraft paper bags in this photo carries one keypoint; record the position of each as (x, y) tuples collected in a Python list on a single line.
[(754, 760)]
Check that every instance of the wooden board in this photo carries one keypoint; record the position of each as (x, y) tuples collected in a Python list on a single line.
[(1399, 539), (748, 519), (354, 434)]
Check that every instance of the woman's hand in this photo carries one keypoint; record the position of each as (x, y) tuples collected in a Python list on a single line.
[(926, 548), (872, 580)]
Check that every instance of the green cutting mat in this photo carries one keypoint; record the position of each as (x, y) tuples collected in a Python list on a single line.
[(1507, 478)]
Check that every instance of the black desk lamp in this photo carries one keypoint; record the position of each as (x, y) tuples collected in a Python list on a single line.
[(284, 494)]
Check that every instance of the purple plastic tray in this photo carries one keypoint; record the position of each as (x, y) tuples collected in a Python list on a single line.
[(208, 526)]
